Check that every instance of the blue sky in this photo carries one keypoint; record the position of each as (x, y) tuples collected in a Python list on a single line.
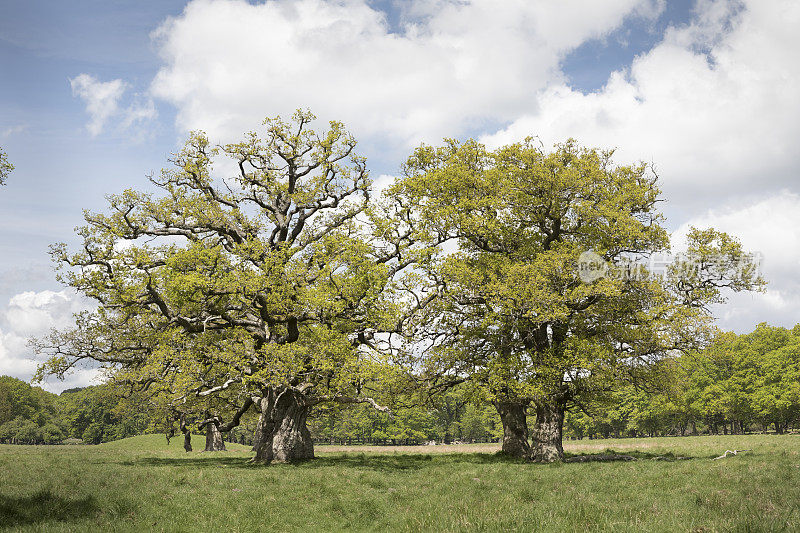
[(94, 95)]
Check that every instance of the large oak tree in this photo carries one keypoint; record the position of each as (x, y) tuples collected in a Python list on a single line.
[(264, 289), (517, 316)]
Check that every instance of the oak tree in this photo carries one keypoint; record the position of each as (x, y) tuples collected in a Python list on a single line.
[(518, 316), (264, 289)]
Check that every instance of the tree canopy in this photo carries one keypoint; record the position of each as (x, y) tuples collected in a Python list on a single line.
[(736, 384), (263, 289), (5, 167), (284, 284), (517, 316)]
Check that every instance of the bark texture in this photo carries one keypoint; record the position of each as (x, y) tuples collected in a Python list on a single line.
[(515, 429), (284, 436), (548, 431), (257, 432), (214, 442)]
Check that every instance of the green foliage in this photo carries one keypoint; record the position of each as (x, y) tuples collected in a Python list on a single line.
[(28, 415), (103, 413), (19, 399), (748, 378), (215, 290), (738, 383), (5, 167), (516, 317), (713, 261), (448, 417)]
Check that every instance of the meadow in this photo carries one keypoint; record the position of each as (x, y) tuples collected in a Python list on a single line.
[(142, 484)]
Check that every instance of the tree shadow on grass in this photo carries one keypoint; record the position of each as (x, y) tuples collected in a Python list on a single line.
[(402, 461), (43, 506), (383, 462), (209, 461), (379, 462), (610, 455)]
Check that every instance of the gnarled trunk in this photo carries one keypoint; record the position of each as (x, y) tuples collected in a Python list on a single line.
[(515, 428), (214, 442), (548, 431), (283, 434)]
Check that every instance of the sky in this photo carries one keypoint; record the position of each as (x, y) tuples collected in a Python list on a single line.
[(95, 95)]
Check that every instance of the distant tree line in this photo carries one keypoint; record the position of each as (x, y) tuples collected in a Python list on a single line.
[(31, 415), (449, 417), (738, 384), (28, 415)]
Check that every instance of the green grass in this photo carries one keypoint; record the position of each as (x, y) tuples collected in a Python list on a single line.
[(140, 484)]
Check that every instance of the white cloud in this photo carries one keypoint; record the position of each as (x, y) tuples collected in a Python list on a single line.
[(140, 111), (453, 67), (714, 105), (769, 226), (102, 101), (80, 377), (31, 314), (14, 356)]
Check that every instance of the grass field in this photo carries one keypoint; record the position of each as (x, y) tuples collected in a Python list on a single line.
[(141, 484)]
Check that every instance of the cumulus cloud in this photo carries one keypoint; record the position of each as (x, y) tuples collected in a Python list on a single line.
[(770, 227), (102, 99), (31, 314), (714, 105), (451, 67)]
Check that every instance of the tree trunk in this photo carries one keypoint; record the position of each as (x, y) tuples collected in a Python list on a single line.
[(284, 436), (515, 429), (214, 442), (187, 434), (257, 433), (548, 431)]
